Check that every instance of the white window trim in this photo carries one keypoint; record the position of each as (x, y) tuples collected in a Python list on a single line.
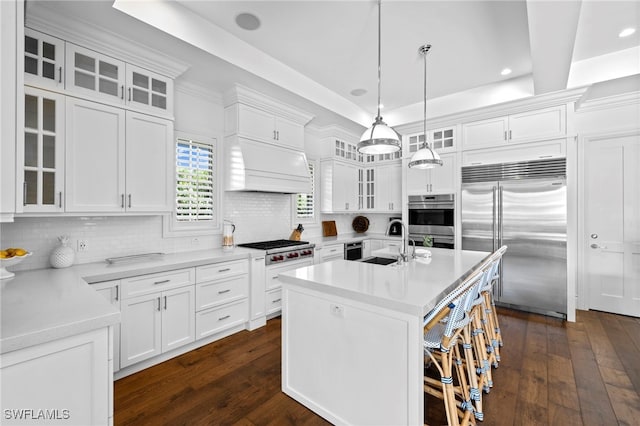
[(173, 228), (315, 219)]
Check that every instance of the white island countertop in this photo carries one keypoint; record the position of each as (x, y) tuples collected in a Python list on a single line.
[(43, 305), (413, 287)]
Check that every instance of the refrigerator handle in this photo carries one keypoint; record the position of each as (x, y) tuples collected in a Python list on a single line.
[(499, 217), (493, 218)]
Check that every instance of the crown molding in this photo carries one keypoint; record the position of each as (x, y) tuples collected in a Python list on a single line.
[(622, 100), (244, 95), (198, 90), (104, 41)]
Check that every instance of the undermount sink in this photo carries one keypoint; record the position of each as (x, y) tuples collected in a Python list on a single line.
[(380, 260)]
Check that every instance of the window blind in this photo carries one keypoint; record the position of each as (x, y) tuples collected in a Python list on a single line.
[(194, 181), (305, 202)]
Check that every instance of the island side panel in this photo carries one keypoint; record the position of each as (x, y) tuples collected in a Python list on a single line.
[(351, 362)]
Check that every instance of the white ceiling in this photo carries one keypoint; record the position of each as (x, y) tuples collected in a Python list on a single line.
[(314, 53)]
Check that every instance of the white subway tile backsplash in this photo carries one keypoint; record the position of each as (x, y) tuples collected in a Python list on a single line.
[(258, 216)]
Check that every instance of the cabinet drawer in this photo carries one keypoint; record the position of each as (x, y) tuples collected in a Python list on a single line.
[(215, 320), (274, 301), (146, 284), (221, 270), (214, 293)]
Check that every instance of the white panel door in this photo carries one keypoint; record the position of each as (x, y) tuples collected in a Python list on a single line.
[(612, 224), (483, 133), (256, 124), (178, 317), (141, 328), (150, 163), (289, 133), (443, 177), (111, 292), (95, 157)]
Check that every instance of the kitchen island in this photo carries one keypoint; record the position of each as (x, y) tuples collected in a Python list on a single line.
[(352, 335)]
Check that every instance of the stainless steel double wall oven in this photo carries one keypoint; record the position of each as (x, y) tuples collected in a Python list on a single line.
[(432, 215)]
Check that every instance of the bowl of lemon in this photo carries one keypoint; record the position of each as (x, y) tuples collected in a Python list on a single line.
[(10, 257)]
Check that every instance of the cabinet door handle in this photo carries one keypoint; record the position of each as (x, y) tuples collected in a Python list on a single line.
[(122, 201), (510, 134), (165, 303), (224, 291), (24, 193), (60, 77), (259, 259), (60, 199), (274, 135), (159, 307), (224, 270), (117, 292), (224, 317), (278, 135), (505, 135), (274, 278), (122, 92), (276, 300), (161, 282), (129, 200), (129, 94)]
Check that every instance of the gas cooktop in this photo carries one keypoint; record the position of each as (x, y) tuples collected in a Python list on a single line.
[(273, 244)]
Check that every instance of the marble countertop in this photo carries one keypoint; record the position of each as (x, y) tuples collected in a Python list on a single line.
[(413, 287), (47, 304)]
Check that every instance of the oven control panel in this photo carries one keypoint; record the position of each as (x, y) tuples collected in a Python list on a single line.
[(290, 255)]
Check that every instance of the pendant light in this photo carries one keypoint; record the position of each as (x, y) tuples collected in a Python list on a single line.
[(425, 157), (379, 138)]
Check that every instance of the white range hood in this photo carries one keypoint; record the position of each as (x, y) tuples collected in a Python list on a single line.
[(258, 166)]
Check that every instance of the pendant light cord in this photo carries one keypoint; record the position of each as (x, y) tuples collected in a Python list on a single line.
[(379, 54), (424, 50)]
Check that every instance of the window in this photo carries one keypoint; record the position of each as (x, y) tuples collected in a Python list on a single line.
[(196, 192), (305, 203)]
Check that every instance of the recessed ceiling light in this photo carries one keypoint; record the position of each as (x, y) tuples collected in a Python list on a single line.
[(358, 92), (626, 32), (505, 71), (248, 21)]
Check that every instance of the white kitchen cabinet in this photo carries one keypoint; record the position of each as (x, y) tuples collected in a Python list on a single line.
[(72, 376), (94, 75), (222, 296), (534, 125), (111, 292), (257, 299), (41, 184), (43, 60), (117, 160), (339, 187), (441, 139), (437, 180), (273, 285), (330, 252), (370, 185), (257, 124), (149, 163), (556, 148), (389, 188), (158, 314)]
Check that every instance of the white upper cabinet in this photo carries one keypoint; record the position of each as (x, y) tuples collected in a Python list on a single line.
[(442, 140), (339, 187), (257, 124), (438, 180), (41, 185), (94, 75), (148, 91), (528, 126), (43, 60), (389, 188)]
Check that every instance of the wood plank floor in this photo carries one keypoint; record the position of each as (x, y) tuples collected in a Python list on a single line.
[(552, 373)]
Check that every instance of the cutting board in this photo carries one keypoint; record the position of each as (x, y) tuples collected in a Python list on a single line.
[(329, 228)]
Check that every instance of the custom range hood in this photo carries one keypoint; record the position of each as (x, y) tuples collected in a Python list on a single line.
[(257, 166)]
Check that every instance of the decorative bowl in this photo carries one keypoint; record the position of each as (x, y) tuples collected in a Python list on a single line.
[(10, 261)]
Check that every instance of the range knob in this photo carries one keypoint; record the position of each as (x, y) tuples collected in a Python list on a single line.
[(281, 257), (274, 258)]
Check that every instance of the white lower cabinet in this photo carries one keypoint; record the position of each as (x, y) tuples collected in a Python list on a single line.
[(329, 252), (161, 318), (273, 301), (222, 297), (71, 377), (111, 291)]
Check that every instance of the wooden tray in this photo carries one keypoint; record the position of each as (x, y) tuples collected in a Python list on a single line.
[(329, 228)]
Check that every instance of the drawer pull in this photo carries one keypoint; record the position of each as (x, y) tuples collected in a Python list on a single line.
[(224, 291), (161, 282), (274, 278), (224, 270), (277, 300), (224, 317)]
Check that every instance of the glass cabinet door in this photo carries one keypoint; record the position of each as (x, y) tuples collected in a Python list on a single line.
[(148, 90), (43, 169), (43, 60), (94, 74)]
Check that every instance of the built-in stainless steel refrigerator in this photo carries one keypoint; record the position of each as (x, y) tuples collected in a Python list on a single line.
[(523, 206)]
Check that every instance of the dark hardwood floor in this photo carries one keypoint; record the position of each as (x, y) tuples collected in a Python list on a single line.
[(552, 373)]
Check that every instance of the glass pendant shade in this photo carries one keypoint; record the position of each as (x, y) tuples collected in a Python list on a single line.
[(379, 139), (425, 158)]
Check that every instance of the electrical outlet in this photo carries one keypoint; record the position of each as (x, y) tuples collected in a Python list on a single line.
[(195, 241), (83, 245)]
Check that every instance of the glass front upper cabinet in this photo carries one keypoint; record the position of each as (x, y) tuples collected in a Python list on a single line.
[(43, 169), (43, 60), (94, 74), (148, 91)]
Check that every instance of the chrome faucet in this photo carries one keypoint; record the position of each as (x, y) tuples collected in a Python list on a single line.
[(403, 254)]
